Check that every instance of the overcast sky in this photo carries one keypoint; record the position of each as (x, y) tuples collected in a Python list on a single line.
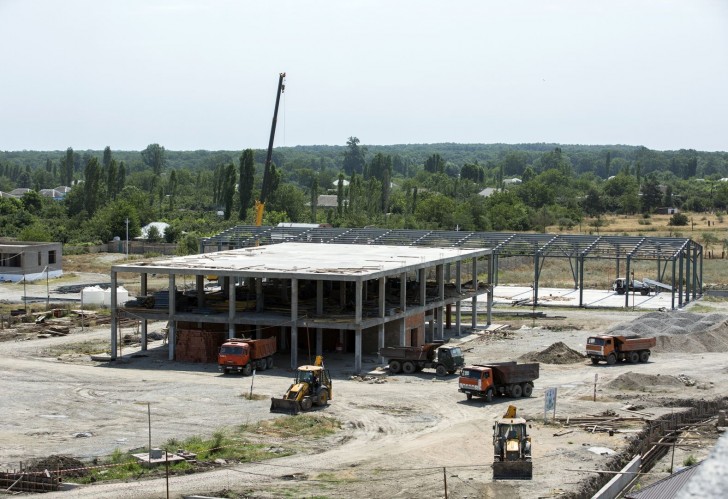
[(203, 74)]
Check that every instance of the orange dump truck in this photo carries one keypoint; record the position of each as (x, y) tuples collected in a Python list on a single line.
[(243, 355), (500, 378), (619, 348)]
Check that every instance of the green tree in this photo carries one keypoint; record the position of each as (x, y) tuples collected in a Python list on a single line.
[(153, 235), (68, 167), (245, 183), (91, 184), (435, 164), (354, 157), (340, 195), (154, 157), (651, 195), (314, 199)]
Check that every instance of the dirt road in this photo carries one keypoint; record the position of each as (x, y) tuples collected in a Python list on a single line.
[(400, 438)]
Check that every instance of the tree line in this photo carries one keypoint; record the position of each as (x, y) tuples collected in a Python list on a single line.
[(422, 186)]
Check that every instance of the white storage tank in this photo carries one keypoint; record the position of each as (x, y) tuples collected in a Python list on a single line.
[(92, 295), (122, 296)]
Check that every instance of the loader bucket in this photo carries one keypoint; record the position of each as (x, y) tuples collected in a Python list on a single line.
[(512, 470), (285, 406)]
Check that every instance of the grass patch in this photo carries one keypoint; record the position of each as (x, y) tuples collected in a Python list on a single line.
[(90, 347), (702, 309), (304, 425), (253, 396)]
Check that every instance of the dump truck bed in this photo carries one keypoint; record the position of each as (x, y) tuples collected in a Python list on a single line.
[(261, 348), (629, 344), (506, 373), (424, 352)]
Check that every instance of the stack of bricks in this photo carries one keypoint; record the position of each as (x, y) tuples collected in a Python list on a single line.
[(198, 345)]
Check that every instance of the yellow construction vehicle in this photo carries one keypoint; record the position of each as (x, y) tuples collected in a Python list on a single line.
[(311, 386), (512, 447)]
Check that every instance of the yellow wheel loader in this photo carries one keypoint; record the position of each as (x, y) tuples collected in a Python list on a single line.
[(311, 386), (512, 448)]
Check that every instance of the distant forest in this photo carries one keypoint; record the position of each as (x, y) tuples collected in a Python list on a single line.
[(414, 186)]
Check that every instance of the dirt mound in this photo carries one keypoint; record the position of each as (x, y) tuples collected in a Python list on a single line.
[(55, 463), (635, 381), (680, 331), (558, 353)]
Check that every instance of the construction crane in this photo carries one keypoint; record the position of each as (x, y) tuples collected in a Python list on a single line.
[(267, 180)]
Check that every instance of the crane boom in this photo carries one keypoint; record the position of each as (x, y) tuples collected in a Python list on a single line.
[(266, 187)]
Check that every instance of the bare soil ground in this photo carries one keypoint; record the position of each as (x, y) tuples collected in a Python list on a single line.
[(401, 436)]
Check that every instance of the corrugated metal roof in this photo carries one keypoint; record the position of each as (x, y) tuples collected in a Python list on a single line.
[(667, 488)]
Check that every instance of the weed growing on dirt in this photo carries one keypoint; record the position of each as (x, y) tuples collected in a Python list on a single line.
[(304, 425), (690, 460)]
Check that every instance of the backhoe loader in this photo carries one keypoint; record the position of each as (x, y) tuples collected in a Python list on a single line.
[(311, 386), (512, 448)]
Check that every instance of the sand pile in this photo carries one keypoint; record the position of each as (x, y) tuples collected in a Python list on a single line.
[(680, 331), (558, 353), (636, 381)]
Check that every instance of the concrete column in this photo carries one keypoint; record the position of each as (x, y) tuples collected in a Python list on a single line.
[(114, 320), (491, 288), (474, 318), (172, 324), (441, 298), (294, 323), (403, 308), (231, 308), (342, 302), (459, 289), (357, 319), (423, 287), (145, 322), (200, 287), (259, 302), (258, 332), (382, 315), (357, 350), (319, 312)]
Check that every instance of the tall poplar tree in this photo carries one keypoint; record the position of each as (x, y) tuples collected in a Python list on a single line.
[(245, 182)]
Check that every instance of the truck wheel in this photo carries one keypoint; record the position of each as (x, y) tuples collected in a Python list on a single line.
[(269, 363), (469, 396), (248, 369), (489, 395), (441, 370), (262, 365), (645, 292), (644, 355), (611, 359), (516, 391), (408, 367), (595, 360), (395, 366), (323, 397), (633, 357), (306, 403), (527, 389)]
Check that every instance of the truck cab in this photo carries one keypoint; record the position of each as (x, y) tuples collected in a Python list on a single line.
[(233, 356), (477, 380), (450, 357), (622, 285)]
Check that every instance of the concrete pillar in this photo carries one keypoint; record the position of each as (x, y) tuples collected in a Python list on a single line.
[(258, 332), (403, 308), (491, 288), (441, 298), (357, 350), (319, 312), (172, 324), (294, 323), (200, 288), (382, 315), (231, 308), (357, 319), (145, 322), (474, 318), (259, 302), (459, 289), (342, 302), (114, 320)]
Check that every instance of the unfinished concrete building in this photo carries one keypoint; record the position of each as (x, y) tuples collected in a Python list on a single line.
[(311, 297)]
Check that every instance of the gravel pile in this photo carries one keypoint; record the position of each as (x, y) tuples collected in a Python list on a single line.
[(558, 353), (680, 331), (636, 381)]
